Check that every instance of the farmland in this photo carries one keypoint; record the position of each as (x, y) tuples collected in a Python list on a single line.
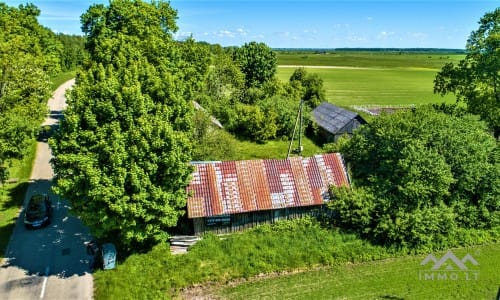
[(362, 78)]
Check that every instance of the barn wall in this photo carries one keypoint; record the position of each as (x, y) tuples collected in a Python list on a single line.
[(238, 222)]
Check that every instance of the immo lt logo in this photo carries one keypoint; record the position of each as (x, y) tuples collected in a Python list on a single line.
[(450, 267)]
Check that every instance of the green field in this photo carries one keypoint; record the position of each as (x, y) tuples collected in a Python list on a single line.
[(399, 278), (372, 79)]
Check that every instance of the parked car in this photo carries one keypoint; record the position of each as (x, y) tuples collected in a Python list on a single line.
[(38, 211)]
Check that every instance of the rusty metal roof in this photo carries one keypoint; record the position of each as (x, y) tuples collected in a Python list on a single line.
[(228, 187)]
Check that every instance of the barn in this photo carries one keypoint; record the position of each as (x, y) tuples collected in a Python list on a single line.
[(229, 196), (335, 121)]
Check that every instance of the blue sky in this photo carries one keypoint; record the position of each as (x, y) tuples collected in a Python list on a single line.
[(305, 24)]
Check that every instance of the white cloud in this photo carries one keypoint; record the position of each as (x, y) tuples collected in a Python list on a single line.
[(384, 34)]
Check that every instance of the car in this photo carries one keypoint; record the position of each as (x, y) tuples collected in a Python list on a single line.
[(38, 211)]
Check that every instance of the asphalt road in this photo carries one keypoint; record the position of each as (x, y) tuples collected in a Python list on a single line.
[(51, 262)]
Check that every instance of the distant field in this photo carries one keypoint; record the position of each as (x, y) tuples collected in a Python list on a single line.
[(369, 59), (399, 278), (365, 78)]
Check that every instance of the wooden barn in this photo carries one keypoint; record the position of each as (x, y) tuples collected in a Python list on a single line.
[(335, 121), (228, 196)]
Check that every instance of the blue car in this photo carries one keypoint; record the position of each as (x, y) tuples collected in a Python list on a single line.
[(38, 211)]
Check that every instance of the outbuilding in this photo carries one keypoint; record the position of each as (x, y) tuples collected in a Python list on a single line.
[(334, 121), (229, 196)]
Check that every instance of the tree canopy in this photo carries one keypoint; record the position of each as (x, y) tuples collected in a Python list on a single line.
[(418, 175), (476, 78), (123, 151), (257, 61), (29, 54)]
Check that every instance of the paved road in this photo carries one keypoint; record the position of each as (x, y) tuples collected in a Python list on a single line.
[(47, 263)]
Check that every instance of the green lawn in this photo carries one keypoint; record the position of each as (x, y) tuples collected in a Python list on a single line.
[(399, 278)]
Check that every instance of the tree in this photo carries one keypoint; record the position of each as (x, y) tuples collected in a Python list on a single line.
[(257, 61), (476, 78), (73, 51), (310, 87), (29, 54), (122, 154), (422, 173)]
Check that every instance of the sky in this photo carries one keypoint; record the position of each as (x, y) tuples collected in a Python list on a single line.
[(304, 24)]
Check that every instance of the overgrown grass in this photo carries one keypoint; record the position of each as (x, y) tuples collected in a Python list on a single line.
[(399, 278), (284, 246), (12, 195)]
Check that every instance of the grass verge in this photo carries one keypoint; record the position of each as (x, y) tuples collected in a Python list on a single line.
[(12, 195)]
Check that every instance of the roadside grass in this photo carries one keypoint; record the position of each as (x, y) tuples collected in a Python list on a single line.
[(12, 195), (62, 78)]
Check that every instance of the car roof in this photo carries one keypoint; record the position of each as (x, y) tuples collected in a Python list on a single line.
[(37, 198)]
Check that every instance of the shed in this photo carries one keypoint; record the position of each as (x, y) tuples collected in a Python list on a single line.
[(335, 121), (228, 196)]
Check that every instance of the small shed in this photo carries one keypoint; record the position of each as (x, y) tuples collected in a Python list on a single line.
[(228, 196), (335, 121)]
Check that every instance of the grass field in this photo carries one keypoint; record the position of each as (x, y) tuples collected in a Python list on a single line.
[(372, 79), (399, 278)]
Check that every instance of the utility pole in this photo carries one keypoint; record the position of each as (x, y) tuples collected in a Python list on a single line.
[(300, 120)]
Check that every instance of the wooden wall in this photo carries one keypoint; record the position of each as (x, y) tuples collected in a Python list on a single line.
[(238, 222)]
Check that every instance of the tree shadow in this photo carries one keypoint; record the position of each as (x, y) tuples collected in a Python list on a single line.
[(57, 249)]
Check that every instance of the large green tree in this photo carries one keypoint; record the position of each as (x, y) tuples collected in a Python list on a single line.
[(122, 154), (29, 54), (476, 78), (418, 175), (257, 61)]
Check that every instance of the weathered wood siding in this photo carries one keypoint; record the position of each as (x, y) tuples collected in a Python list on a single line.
[(238, 222)]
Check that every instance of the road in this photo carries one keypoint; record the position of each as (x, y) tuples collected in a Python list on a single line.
[(51, 262)]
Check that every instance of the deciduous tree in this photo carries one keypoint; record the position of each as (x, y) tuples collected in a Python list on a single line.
[(29, 54), (257, 61), (475, 80), (123, 151)]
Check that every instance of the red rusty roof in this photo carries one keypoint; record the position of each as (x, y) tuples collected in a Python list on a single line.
[(228, 187)]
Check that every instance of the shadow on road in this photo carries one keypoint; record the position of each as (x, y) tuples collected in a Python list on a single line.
[(57, 249)]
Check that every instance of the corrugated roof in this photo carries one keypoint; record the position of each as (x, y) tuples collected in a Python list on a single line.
[(228, 187), (331, 117)]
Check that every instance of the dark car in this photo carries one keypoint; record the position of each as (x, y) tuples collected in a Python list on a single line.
[(38, 212)]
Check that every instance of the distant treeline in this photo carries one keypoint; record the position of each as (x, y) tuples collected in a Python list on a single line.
[(392, 50)]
